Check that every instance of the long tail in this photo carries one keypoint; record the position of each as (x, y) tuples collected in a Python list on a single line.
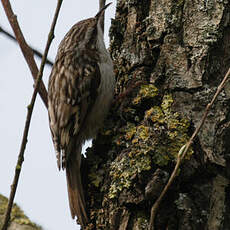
[(75, 192)]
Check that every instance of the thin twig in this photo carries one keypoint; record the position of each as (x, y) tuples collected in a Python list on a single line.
[(101, 5), (36, 52), (26, 50), (184, 152), (28, 120)]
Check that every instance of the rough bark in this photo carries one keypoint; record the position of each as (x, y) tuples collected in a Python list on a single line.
[(169, 56), (18, 219)]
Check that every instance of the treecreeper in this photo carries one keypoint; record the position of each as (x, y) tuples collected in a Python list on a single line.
[(80, 92)]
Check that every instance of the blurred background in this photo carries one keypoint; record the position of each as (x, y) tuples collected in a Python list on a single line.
[(41, 192)]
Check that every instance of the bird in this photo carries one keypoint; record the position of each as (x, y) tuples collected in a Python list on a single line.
[(80, 92)]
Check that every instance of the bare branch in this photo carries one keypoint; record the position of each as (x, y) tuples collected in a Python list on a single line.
[(184, 151), (26, 50), (28, 118), (101, 5), (36, 52)]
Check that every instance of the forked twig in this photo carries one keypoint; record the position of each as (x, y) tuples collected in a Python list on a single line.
[(26, 50), (184, 151), (36, 52), (28, 118)]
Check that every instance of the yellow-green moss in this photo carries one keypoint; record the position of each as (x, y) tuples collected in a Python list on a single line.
[(166, 103), (157, 140), (175, 134), (125, 134), (156, 114), (142, 222), (17, 215), (3, 204), (95, 175), (130, 131), (124, 169), (95, 178), (145, 92)]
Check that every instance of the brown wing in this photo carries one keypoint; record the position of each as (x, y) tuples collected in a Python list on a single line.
[(72, 91)]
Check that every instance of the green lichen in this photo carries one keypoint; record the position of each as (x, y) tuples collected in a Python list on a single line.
[(145, 92), (130, 131), (95, 178), (95, 175), (17, 215), (123, 171), (142, 134), (166, 103), (155, 114), (142, 221), (3, 204), (155, 141), (175, 135), (125, 134)]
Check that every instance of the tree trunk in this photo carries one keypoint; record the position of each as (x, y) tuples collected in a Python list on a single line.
[(169, 57)]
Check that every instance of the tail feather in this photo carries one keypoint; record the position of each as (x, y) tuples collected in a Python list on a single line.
[(75, 192)]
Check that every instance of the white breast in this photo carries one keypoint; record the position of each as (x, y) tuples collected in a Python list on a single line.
[(105, 91)]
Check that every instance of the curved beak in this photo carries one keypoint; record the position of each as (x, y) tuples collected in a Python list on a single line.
[(102, 10)]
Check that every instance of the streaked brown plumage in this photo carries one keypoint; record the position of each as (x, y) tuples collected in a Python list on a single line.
[(80, 92)]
